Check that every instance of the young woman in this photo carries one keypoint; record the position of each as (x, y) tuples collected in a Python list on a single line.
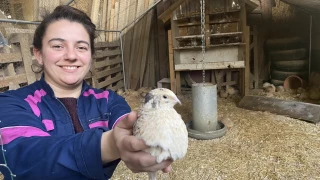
[(61, 128)]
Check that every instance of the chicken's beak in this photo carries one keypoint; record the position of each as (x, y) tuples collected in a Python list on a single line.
[(177, 100)]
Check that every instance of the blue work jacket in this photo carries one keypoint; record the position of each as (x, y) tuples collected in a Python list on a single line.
[(39, 139)]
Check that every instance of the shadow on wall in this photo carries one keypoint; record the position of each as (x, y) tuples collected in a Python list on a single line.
[(315, 60)]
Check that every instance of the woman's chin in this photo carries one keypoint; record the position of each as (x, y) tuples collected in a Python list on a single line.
[(72, 82)]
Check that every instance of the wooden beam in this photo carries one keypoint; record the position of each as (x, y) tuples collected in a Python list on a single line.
[(107, 73), (166, 15), (94, 12), (255, 57), (171, 63), (107, 53), (17, 79), (107, 62), (247, 61), (210, 65), (107, 44), (178, 82), (146, 43), (118, 86), (27, 57), (294, 109), (109, 81), (10, 57)]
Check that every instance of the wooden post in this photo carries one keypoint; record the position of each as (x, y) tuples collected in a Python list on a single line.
[(255, 57), (178, 83), (247, 61), (171, 63), (27, 57)]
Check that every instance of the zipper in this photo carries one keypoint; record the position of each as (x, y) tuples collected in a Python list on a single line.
[(70, 119), (80, 121)]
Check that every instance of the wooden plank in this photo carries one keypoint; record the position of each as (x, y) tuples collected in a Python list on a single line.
[(152, 56), (228, 76), (27, 58), (140, 8), (94, 12), (162, 67), (9, 70), (178, 82), (132, 12), (146, 4), (110, 81), (93, 77), (104, 14), (15, 38), (210, 65), (10, 57), (107, 73), (122, 14), (213, 77), (133, 55), (17, 79), (247, 61), (108, 21), (127, 40), (137, 53), (226, 34), (166, 15), (146, 43), (255, 57), (107, 44), (107, 62), (108, 53), (111, 19), (171, 63), (116, 19), (118, 86), (294, 109)]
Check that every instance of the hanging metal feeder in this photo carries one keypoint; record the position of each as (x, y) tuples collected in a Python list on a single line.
[(204, 112)]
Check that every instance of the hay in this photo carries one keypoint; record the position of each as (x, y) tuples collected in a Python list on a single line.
[(257, 145)]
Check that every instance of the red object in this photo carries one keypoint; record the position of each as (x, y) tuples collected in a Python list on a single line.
[(293, 82)]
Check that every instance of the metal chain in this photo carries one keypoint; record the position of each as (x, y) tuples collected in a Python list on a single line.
[(203, 39)]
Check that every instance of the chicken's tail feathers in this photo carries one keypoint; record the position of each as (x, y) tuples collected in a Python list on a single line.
[(152, 175)]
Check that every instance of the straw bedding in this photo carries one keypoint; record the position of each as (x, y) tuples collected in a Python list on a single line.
[(257, 145)]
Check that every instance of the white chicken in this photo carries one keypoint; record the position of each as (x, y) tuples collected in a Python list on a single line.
[(161, 127)]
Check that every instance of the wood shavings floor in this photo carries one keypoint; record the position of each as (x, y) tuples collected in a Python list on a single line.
[(257, 145)]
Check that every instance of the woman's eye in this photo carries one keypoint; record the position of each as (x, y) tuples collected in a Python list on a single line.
[(164, 96), (83, 48), (57, 46)]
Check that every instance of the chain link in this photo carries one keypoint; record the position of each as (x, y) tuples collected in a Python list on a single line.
[(203, 39)]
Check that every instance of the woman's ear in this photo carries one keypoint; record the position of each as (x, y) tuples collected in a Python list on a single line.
[(38, 55)]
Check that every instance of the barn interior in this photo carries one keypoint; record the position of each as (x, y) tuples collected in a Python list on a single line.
[(262, 56)]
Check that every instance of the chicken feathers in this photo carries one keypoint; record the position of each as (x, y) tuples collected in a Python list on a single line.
[(161, 127)]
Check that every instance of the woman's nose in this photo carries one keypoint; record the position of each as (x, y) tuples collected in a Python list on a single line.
[(70, 54)]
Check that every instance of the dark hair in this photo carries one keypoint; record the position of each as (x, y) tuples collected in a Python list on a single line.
[(68, 13)]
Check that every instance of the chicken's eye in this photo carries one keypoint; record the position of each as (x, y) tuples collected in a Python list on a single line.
[(164, 96)]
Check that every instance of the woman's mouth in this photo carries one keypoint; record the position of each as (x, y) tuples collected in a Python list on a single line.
[(70, 67)]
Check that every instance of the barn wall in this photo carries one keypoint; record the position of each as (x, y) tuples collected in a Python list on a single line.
[(289, 21), (315, 56)]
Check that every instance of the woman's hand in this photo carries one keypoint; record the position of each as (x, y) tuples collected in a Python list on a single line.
[(130, 148)]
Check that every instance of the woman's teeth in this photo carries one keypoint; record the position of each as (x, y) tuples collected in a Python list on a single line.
[(70, 67)]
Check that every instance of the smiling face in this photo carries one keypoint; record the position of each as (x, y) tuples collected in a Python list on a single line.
[(65, 54)]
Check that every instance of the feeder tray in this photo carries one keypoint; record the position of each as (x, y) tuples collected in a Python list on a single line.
[(219, 132)]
